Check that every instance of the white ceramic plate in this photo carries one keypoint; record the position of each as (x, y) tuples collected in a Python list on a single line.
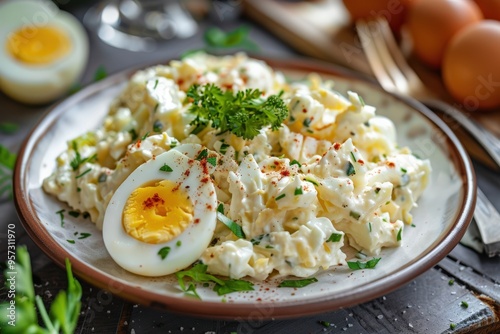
[(444, 211)]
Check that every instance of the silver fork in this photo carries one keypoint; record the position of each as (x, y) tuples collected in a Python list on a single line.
[(395, 75)]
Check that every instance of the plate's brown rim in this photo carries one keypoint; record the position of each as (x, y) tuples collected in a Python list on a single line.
[(263, 310)]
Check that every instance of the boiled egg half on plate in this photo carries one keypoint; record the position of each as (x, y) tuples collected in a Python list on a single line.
[(163, 216), (43, 51)]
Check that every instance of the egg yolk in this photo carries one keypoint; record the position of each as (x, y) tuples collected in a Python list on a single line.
[(157, 213), (38, 45)]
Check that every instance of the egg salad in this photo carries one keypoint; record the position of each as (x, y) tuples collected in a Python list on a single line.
[(222, 160)]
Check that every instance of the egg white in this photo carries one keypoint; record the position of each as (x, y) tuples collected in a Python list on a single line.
[(142, 258), (36, 84)]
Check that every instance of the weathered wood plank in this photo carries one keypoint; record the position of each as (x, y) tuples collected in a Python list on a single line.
[(429, 304), (474, 280)]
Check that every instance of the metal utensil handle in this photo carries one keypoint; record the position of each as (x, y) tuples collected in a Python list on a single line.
[(488, 222), (488, 141)]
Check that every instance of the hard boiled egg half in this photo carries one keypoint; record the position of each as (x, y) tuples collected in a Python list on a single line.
[(163, 216), (43, 50)]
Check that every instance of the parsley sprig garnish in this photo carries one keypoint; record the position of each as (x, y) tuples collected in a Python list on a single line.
[(357, 265), (64, 311), (244, 113), (297, 283), (198, 274)]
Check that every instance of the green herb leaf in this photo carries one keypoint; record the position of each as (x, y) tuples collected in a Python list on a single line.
[(233, 285), (100, 73), (257, 240), (237, 38), (220, 208), (71, 241), (26, 319), (223, 148), (8, 128), (164, 252), (74, 88), (335, 237), (166, 168), (75, 214), (235, 228), (453, 326), (399, 234), (306, 122), (191, 291), (203, 154), (212, 161), (464, 304), (61, 216), (191, 53), (82, 174), (297, 283), (451, 282), (279, 197), (84, 235), (197, 273), (5, 183), (298, 191), (7, 162), (324, 323), (77, 161), (295, 162), (350, 169), (356, 265), (7, 158), (361, 101), (311, 181), (244, 113), (353, 157), (65, 309)]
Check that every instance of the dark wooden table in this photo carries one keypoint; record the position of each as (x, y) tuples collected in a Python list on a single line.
[(429, 304)]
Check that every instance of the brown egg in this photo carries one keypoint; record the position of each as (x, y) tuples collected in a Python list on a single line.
[(490, 8), (471, 70), (432, 24), (393, 10)]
